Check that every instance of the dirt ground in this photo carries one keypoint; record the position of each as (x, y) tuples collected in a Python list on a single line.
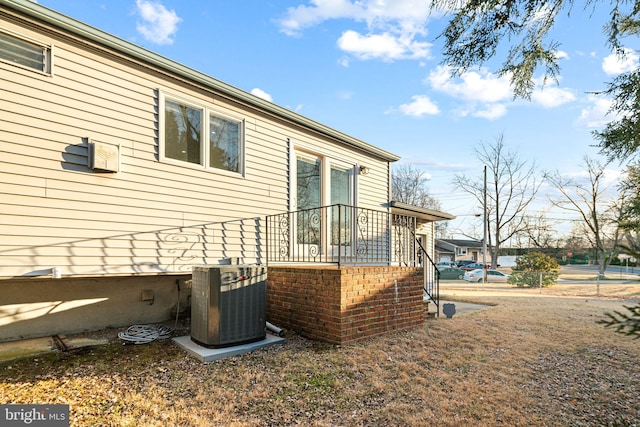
[(534, 357)]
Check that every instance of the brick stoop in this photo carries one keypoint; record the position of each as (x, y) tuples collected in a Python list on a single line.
[(342, 305)]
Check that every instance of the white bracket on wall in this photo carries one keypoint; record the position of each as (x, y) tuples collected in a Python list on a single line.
[(103, 157)]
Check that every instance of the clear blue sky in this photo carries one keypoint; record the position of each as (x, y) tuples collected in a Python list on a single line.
[(371, 69)]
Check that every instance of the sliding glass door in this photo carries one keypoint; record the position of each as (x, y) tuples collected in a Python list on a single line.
[(341, 194), (321, 227)]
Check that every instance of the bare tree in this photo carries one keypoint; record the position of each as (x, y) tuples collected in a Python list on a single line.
[(409, 185), (538, 232), (511, 187), (630, 192), (630, 243), (590, 202), (630, 221)]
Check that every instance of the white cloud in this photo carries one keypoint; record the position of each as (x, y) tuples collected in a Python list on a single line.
[(481, 86), (392, 27), (482, 93), (407, 14), (486, 95), (261, 94), (158, 25), (298, 18), (384, 46), (595, 115), (610, 178), (615, 64), (420, 106), (613, 177), (345, 94), (551, 97), (490, 111)]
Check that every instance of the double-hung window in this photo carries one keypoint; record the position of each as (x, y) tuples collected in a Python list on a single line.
[(201, 136), (25, 52)]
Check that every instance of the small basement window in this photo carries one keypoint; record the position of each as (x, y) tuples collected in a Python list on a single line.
[(25, 53)]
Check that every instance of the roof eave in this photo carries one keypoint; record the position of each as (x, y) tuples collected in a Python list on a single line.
[(44, 14), (420, 212)]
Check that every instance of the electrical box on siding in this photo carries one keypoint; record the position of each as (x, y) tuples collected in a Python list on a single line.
[(104, 157)]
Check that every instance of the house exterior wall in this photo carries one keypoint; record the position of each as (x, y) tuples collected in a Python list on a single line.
[(342, 305), (58, 218), (152, 216)]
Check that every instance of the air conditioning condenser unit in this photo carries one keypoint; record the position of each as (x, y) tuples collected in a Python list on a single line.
[(228, 304)]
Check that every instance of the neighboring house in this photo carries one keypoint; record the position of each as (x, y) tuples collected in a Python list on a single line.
[(122, 169), (454, 250)]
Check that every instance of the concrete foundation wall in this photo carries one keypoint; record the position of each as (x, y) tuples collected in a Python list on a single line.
[(34, 308)]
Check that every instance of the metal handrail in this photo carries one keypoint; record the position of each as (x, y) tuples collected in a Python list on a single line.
[(431, 277), (340, 234)]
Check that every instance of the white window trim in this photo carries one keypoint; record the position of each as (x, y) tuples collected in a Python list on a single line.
[(219, 112), (27, 39), (294, 183), (313, 150), (207, 110), (326, 160)]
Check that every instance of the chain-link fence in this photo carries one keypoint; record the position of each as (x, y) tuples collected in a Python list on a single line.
[(617, 281)]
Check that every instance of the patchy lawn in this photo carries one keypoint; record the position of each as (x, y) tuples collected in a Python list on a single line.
[(533, 358)]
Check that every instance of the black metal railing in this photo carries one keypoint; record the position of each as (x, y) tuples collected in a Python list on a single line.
[(343, 235), (350, 235), (431, 276)]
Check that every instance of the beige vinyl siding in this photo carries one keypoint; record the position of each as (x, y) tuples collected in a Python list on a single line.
[(428, 231), (151, 217)]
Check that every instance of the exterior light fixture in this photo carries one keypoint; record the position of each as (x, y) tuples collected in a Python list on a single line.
[(364, 170)]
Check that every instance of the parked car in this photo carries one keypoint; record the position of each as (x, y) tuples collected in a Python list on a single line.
[(493, 276), (451, 273), (444, 264), (464, 262), (472, 266)]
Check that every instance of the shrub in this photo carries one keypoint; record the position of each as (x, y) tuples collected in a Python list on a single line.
[(529, 267)]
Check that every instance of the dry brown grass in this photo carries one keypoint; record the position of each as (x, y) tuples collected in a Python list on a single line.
[(531, 359)]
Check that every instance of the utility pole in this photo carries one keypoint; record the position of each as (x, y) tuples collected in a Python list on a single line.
[(484, 226)]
